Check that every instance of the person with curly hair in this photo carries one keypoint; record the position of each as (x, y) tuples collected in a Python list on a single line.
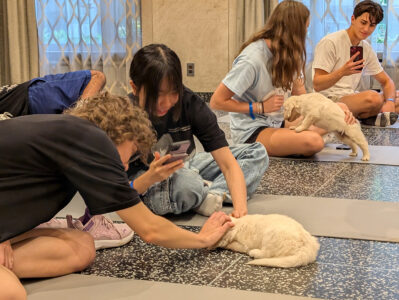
[(46, 159), (52, 94)]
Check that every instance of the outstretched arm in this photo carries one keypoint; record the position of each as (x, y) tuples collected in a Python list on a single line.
[(234, 179), (158, 230)]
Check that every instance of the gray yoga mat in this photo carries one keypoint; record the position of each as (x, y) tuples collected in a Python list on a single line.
[(330, 217), (93, 287), (379, 155)]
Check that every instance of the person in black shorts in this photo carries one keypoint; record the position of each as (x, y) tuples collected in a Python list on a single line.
[(50, 94), (46, 159)]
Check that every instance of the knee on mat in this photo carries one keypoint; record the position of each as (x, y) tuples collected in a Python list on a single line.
[(313, 143), (84, 252)]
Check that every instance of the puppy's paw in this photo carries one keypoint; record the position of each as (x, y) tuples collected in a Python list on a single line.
[(255, 253), (292, 127), (366, 157), (354, 154)]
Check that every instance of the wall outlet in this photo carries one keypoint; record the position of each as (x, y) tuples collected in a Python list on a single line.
[(190, 69)]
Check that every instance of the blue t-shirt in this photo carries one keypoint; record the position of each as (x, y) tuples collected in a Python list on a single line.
[(250, 81), (52, 94)]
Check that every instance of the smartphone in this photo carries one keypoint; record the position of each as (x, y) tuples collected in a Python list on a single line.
[(343, 147), (354, 50), (178, 150)]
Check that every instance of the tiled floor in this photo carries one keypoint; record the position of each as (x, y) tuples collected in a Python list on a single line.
[(345, 269)]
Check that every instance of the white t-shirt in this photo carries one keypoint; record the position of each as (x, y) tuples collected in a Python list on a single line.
[(333, 51), (250, 81)]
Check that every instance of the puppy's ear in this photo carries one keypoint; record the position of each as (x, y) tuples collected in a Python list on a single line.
[(288, 106)]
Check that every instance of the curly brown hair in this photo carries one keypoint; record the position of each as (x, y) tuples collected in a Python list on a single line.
[(120, 120), (286, 29)]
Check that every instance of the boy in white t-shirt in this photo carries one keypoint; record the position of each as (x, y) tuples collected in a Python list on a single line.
[(337, 74)]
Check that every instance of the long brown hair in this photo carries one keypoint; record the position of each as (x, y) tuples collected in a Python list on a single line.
[(286, 29)]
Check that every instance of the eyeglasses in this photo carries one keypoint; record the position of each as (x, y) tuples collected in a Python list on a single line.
[(134, 157)]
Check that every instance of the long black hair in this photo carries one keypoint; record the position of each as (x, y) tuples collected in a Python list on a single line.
[(150, 65)]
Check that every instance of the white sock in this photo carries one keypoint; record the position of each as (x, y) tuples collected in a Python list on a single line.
[(211, 203)]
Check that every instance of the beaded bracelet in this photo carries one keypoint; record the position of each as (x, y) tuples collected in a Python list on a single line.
[(390, 99)]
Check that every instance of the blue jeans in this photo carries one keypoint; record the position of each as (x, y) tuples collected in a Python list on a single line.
[(185, 189)]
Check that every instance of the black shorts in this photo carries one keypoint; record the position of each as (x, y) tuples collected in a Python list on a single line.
[(254, 136), (14, 99)]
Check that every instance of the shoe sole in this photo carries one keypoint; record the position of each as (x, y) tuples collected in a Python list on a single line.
[(103, 244)]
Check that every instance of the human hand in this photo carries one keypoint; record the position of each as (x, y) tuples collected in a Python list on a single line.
[(159, 171), (349, 117), (215, 227), (351, 66), (6, 255), (273, 103), (239, 212)]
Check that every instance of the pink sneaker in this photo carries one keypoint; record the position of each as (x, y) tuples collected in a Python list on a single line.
[(54, 223), (106, 234)]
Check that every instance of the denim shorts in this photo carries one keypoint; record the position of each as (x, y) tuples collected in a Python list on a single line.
[(52, 94)]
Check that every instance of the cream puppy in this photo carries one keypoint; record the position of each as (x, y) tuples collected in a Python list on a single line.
[(274, 240), (320, 111)]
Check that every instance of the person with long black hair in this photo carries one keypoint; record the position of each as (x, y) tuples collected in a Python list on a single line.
[(220, 174)]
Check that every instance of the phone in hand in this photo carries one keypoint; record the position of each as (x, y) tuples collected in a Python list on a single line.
[(178, 150), (354, 50)]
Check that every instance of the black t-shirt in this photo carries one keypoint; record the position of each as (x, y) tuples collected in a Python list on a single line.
[(196, 118), (14, 99), (45, 159)]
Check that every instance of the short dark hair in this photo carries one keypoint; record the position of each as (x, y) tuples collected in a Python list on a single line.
[(150, 65), (376, 14)]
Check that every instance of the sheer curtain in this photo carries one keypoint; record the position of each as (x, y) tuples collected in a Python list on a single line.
[(89, 34)]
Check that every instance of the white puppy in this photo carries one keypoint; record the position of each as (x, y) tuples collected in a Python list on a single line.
[(274, 240), (320, 111)]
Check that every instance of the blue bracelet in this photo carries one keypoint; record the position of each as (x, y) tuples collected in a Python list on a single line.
[(390, 99), (251, 111), (131, 184)]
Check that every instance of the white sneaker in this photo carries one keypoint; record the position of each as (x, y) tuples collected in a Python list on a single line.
[(212, 202)]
